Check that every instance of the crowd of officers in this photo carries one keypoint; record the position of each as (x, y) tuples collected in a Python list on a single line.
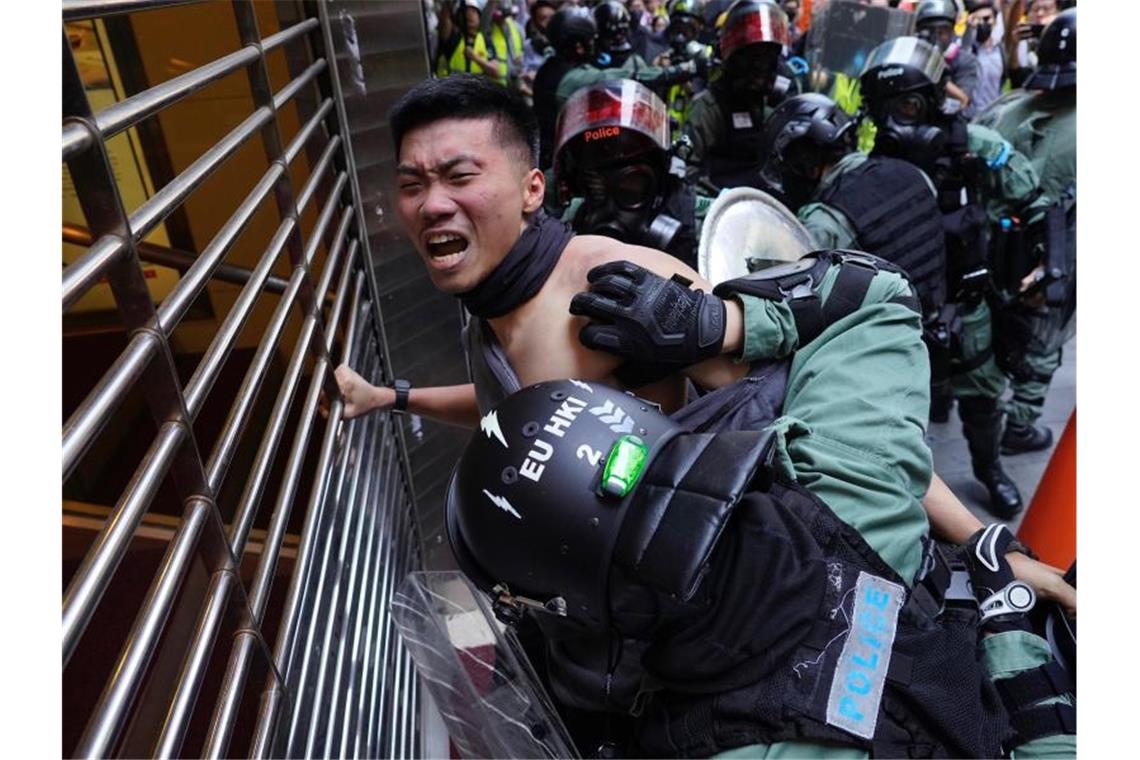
[(647, 110)]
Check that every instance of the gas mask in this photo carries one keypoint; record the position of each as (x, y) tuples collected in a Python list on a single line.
[(622, 202), (751, 72), (682, 31), (904, 131)]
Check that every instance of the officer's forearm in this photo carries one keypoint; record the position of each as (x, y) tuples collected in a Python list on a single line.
[(949, 517)]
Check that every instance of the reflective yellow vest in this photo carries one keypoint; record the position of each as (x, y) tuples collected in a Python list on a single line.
[(458, 62), (847, 95), (506, 49)]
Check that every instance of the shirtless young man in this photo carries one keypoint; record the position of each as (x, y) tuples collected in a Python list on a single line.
[(469, 190)]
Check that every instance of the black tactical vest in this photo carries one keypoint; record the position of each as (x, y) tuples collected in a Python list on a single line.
[(896, 218), (736, 160), (829, 648), (957, 175)]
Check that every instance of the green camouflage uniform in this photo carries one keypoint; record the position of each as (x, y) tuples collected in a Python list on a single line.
[(869, 370), (1042, 126), (706, 125), (1009, 183), (586, 74)]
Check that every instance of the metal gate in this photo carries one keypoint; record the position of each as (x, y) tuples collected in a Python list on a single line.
[(321, 671)]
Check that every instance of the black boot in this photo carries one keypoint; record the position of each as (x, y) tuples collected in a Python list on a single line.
[(941, 401), (981, 424), (1019, 439)]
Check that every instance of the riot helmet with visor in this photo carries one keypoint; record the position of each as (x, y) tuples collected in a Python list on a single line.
[(903, 87), (612, 150)]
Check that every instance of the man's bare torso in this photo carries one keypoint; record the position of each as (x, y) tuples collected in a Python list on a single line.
[(541, 336)]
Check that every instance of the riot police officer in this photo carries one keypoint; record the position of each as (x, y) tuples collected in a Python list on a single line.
[(675, 575), (1041, 121), (934, 22), (847, 199), (614, 48), (725, 122), (979, 176), (613, 164), (685, 25), (573, 35)]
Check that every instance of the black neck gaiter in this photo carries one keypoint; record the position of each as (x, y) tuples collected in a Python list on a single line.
[(524, 270)]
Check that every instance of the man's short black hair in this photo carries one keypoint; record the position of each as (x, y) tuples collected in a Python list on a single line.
[(468, 96)]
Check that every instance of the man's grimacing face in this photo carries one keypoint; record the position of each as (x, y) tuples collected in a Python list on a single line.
[(463, 198)]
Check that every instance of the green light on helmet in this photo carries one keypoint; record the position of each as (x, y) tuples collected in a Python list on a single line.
[(624, 465)]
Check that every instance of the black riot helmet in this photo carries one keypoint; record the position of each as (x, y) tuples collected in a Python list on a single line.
[(802, 135), (612, 150), (685, 23), (754, 35), (541, 491), (567, 29), (753, 22), (613, 22), (1056, 55), (904, 86), (935, 10), (934, 22)]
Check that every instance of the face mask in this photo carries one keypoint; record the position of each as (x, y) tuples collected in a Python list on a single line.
[(984, 31), (919, 144), (621, 203)]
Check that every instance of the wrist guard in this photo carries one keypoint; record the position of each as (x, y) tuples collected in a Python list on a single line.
[(1003, 601)]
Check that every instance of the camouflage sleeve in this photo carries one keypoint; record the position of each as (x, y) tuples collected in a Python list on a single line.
[(1011, 181), (584, 76), (854, 421), (702, 126), (828, 227)]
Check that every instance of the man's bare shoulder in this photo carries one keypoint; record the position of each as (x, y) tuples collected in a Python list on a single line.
[(588, 251)]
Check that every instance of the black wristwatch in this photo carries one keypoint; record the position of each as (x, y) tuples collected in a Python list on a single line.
[(402, 388)]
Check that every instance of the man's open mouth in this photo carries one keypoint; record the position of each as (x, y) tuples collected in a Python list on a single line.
[(446, 248)]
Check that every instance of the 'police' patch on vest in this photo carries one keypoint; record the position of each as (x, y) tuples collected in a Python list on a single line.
[(857, 686)]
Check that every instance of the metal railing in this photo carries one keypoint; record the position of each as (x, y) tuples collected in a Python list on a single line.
[(340, 683)]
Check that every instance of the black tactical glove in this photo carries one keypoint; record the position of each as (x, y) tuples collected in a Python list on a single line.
[(1003, 601), (646, 318)]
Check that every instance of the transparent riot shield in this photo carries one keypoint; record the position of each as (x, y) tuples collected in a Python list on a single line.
[(476, 671), (745, 231), (844, 32)]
